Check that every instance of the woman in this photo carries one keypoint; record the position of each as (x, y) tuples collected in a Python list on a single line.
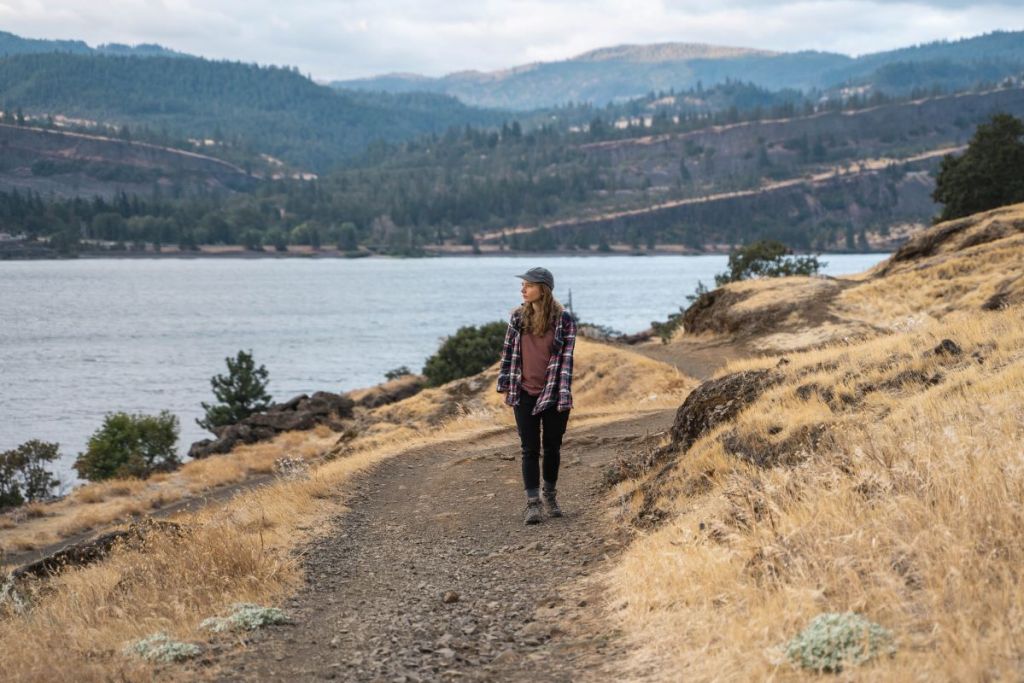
[(536, 375)]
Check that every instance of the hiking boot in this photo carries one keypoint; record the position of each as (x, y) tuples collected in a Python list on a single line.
[(551, 503), (533, 511)]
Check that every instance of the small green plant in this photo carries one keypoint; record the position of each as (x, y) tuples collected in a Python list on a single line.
[(395, 373), (242, 392), (834, 640), (130, 446), (23, 474), (245, 617), (159, 647), (467, 352)]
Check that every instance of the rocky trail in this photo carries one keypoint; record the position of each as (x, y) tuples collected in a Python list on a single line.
[(432, 575)]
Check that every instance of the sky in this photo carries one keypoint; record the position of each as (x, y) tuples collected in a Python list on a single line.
[(341, 39)]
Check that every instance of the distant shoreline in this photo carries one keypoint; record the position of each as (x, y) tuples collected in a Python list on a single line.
[(238, 252)]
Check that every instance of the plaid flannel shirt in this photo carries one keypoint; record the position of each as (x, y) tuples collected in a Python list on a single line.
[(558, 380)]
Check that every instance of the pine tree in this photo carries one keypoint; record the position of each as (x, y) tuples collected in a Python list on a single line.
[(242, 392)]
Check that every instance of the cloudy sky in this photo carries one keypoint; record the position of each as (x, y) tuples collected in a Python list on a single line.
[(354, 38)]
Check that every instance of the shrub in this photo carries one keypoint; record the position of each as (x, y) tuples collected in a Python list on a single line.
[(395, 373), (159, 647), (465, 353), (834, 640), (766, 258), (242, 392), (130, 446), (246, 617), (23, 475)]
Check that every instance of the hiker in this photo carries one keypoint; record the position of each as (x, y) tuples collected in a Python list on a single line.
[(536, 376)]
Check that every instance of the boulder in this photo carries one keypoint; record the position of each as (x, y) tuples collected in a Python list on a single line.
[(717, 401)]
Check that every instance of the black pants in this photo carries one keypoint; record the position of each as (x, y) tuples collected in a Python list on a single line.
[(552, 423)]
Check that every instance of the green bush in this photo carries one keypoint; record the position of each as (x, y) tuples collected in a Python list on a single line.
[(467, 352), (242, 392), (130, 446), (23, 475), (834, 640)]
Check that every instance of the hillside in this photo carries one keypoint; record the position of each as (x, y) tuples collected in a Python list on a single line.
[(878, 471), (256, 110), (624, 72), (55, 163)]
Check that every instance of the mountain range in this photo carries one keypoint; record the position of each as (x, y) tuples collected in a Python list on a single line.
[(627, 71)]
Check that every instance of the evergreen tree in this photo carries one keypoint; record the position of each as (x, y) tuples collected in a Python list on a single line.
[(242, 392), (989, 174)]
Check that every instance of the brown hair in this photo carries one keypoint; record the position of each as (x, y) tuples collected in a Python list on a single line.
[(538, 318)]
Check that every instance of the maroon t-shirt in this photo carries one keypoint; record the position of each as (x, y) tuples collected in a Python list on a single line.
[(536, 354)]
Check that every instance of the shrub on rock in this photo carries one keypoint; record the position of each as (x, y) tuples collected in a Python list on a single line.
[(240, 393)]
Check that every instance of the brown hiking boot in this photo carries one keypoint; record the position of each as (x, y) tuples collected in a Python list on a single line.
[(533, 511), (551, 503)]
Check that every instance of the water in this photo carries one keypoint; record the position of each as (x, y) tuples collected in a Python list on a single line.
[(82, 338)]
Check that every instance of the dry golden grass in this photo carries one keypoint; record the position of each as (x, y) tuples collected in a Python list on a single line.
[(909, 510), (95, 505)]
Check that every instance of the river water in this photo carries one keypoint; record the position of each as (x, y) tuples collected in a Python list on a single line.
[(82, 338)]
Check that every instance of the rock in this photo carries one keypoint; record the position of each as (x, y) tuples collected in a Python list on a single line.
[(535, 629), (505, 658), (87, 552), (947, 347), (717, 401), (450, 597)]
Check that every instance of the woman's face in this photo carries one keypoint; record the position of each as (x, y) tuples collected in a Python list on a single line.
[(531, 292)]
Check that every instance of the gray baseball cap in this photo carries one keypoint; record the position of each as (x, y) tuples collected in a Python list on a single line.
[(539, 275)]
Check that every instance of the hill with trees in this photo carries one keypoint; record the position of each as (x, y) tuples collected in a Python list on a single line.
[(245, 109)]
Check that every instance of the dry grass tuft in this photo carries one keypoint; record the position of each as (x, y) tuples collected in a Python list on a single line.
[(909, 512)]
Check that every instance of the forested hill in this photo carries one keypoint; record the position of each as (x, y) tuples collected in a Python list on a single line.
[(252, 109), (631, 71), (11, 44)]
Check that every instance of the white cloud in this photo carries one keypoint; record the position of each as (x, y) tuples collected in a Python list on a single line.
[(352, 38)]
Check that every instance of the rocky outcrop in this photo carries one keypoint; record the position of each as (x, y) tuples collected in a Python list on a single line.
[(389, 392), (717, 401), (300, 413), (87, 552)]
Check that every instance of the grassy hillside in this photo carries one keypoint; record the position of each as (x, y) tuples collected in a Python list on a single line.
[(878, 471)]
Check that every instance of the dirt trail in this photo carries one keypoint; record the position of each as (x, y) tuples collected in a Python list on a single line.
[(432, 575)]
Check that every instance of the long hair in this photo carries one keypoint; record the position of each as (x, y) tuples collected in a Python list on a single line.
[(540, 316)]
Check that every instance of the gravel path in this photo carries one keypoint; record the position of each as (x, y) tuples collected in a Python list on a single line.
[(433, 576)]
